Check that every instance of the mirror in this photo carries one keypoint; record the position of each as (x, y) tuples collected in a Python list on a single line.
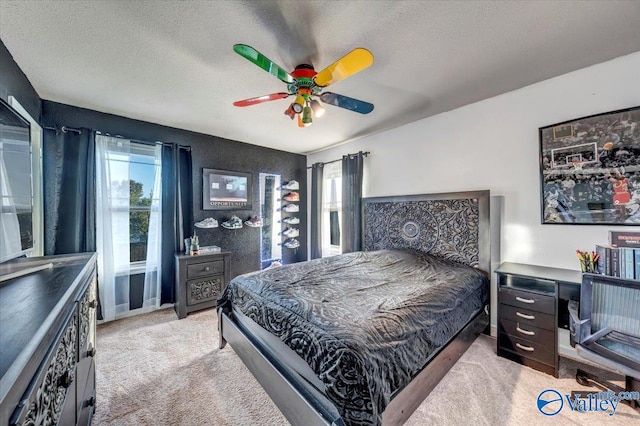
[(270, 249), (16, 209)]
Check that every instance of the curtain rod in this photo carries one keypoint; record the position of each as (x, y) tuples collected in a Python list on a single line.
[(188, 147), (364, 154), (98, 132), (65, 129)]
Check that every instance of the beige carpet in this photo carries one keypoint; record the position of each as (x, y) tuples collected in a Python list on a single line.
[(157, 370)]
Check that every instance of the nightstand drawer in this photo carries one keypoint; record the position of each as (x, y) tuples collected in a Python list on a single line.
[(197, 270), (527, 331), (529, 349), (204, 290), (527, 300), (527, 317)]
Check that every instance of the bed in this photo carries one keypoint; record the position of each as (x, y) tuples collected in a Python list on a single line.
[(362, 338)]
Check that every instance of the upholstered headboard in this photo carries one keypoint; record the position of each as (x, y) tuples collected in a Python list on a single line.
[(452, 225)]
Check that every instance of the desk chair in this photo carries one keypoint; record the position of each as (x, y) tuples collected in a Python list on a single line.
[(605, 329)]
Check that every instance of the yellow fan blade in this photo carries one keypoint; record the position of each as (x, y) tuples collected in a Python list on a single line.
[(351, 63)]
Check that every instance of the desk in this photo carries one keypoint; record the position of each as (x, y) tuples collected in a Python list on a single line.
[(532, 305)]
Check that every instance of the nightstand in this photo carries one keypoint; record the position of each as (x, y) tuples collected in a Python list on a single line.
[(199, 280)]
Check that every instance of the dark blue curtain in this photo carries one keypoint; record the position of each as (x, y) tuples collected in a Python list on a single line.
[(317, 176), (352, 173), (177, 211), (69, 167)]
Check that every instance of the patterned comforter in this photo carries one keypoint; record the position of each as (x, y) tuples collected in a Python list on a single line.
[(366, 323)]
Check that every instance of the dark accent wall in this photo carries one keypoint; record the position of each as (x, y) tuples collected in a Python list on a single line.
[(13, 82), (208, 152)]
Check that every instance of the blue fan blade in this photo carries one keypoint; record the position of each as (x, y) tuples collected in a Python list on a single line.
[(346, 102)]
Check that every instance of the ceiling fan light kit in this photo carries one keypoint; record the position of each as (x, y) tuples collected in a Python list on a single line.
[(306, 84), (317, 108)]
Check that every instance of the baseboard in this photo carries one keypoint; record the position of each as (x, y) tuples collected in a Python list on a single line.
[(139, 311)]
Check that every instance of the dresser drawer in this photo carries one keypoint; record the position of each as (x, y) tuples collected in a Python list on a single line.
[(527, 300), (527, 331), (86, 399), (88, 305), (529, 349), (197, 270), (51, 394), (204, 290), (527, 317)]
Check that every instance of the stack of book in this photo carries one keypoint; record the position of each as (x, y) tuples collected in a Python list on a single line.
[(621, 258)]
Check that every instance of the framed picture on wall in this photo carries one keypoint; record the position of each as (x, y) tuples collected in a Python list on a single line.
[(226, 190), (590, 170)]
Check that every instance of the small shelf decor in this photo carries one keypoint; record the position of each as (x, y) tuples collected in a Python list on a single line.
[(588, 261), (290, 202), (195, 245)]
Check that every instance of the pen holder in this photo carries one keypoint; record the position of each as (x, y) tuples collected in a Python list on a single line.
[(589, 267)]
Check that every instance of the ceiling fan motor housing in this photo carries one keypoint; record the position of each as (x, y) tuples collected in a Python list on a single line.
[(304, 84)]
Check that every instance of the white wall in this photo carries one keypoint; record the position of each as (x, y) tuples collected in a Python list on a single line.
[(493, 144)]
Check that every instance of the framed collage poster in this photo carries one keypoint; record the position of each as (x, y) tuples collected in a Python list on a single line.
[(590, 170), (225, 190)]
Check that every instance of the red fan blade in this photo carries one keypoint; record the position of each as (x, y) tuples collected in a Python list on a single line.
[(261, 99)]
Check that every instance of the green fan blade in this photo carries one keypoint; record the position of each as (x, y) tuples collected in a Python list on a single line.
[(263, 62)]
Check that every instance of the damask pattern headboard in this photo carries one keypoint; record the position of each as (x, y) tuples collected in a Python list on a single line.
[(452, 225)]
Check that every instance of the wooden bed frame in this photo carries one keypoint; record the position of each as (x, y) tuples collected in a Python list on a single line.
[(451, 225)]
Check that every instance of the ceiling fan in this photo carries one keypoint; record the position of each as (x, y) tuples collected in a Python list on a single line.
[(306, 84)]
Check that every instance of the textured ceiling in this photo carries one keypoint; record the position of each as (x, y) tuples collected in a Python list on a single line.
[(172, 62)]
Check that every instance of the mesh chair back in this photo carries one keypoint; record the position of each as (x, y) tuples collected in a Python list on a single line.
[(615, 307)]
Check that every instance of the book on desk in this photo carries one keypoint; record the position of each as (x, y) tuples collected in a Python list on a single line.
[(621, 258)]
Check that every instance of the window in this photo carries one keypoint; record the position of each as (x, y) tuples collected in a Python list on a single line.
[(132, 172), (128, 223), (132, 178), (332, 209), (141, 178)]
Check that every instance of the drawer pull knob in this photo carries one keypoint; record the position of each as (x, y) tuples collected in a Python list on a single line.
[(206, 268), (527, 332), (91, 352), (65, 380), (525, 348), (93, 304), (520, 299), (91, 402), (525, 316)]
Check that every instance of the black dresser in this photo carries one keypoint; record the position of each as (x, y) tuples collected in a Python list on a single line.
[(48, 341)]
